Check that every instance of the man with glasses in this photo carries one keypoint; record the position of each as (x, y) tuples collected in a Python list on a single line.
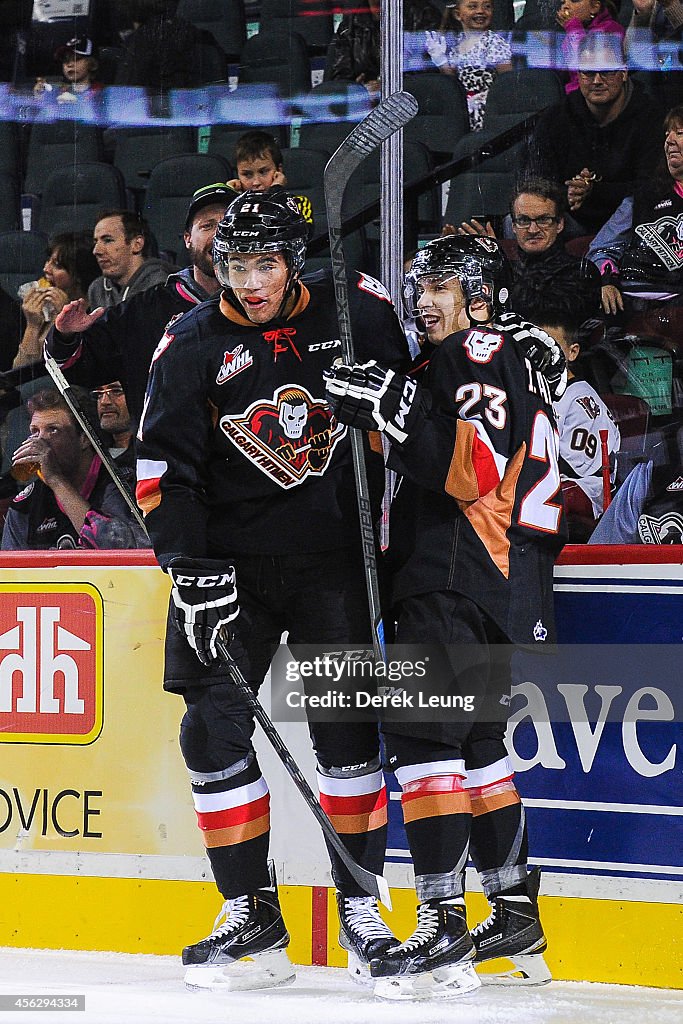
[(537, 216), (69, 500), (600, 142), (115, 421)]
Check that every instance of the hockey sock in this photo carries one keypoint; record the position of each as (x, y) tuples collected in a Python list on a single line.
[(233, 814), (498, 842), (356, 804), (436, 813)]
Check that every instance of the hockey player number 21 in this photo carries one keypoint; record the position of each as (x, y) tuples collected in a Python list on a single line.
[(536, 509)]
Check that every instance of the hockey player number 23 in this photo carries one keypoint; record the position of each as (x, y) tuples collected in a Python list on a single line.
[(536, 509)]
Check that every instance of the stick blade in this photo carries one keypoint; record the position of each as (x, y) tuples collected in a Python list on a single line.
[(393, 113)]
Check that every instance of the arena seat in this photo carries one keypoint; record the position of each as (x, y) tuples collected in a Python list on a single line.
[(279, 57), (22, 257), (59, 145), (225, 20), (171, 185), (73, 196)]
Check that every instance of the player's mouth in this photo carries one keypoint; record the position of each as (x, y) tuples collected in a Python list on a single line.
[(254, 301), (430, 320)]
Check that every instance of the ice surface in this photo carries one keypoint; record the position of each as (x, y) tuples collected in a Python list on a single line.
[(122, 988)]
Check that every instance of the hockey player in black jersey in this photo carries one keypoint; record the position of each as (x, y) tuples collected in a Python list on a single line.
[(247, 483), (475, 526)]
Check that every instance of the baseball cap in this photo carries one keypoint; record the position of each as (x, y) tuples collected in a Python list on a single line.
[(207, 195), (80, 45)]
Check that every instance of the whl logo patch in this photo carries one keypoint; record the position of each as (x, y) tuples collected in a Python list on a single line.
[(51, 663), (233, 363)]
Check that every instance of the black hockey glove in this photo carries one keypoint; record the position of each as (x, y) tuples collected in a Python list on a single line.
[(204, 600), (369, 397), (542, 351)]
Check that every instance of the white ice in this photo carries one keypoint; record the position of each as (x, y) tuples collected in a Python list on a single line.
[(122, 988)]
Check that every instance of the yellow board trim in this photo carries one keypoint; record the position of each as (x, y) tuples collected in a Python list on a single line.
[(589, 940)]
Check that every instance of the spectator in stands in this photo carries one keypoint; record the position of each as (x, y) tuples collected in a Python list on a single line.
[(353, 55), (647, 508), (68, 272), (475, 54), (116, 422), (600, 141), (160, 53), (537, 212), (121, 244), (73, 502), (258, 160), (640, 249), (118, 344), (581, 413), (654, 22), (79, 65), (577, 18)]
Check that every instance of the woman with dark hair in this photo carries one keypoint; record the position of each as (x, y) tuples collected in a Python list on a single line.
[(69, 269)]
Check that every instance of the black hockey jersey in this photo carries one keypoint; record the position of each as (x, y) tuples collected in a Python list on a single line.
[(653, 260), (479, 510), (238, 450)]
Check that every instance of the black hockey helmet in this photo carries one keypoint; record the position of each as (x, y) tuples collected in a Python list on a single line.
[(478, 263), (257, 222)]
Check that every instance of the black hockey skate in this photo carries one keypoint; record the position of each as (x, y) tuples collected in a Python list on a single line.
[(513, 931), (363, 934), (247, 951), (436, 962)]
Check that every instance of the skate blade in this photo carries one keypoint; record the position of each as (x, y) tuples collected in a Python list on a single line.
[(263, 970), (359, 971), (525, 969), (449, 982)]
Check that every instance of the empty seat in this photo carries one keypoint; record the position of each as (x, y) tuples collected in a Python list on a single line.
[(22, 258), (312, 19), (74, 196), (441, 120), (171, 185), (138, 150), (9, 202), (10, 149), (62, 144), (224, 19), (304, 168), (278, 57), (480, 195)]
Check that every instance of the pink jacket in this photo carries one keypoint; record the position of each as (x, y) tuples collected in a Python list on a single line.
[(575, 32)]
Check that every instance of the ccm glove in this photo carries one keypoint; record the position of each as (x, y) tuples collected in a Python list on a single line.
[(542, 351), (204, 600), (369, 397)]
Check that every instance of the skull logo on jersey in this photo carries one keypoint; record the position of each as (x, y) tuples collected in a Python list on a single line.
[(481, 345), (667, 529), (665, 238), (289, 438)]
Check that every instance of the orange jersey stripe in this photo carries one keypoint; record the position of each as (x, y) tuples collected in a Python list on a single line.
[(355, 824), (435, 805), (237, 833), (493, 801)]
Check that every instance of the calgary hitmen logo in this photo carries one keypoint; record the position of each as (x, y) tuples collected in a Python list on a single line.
[(289, 438)]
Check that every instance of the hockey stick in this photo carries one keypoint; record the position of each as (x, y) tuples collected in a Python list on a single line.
[(391, 115), (376, 885), (67, 394)]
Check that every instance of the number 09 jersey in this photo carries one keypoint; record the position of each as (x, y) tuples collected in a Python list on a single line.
[(479, 509)]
